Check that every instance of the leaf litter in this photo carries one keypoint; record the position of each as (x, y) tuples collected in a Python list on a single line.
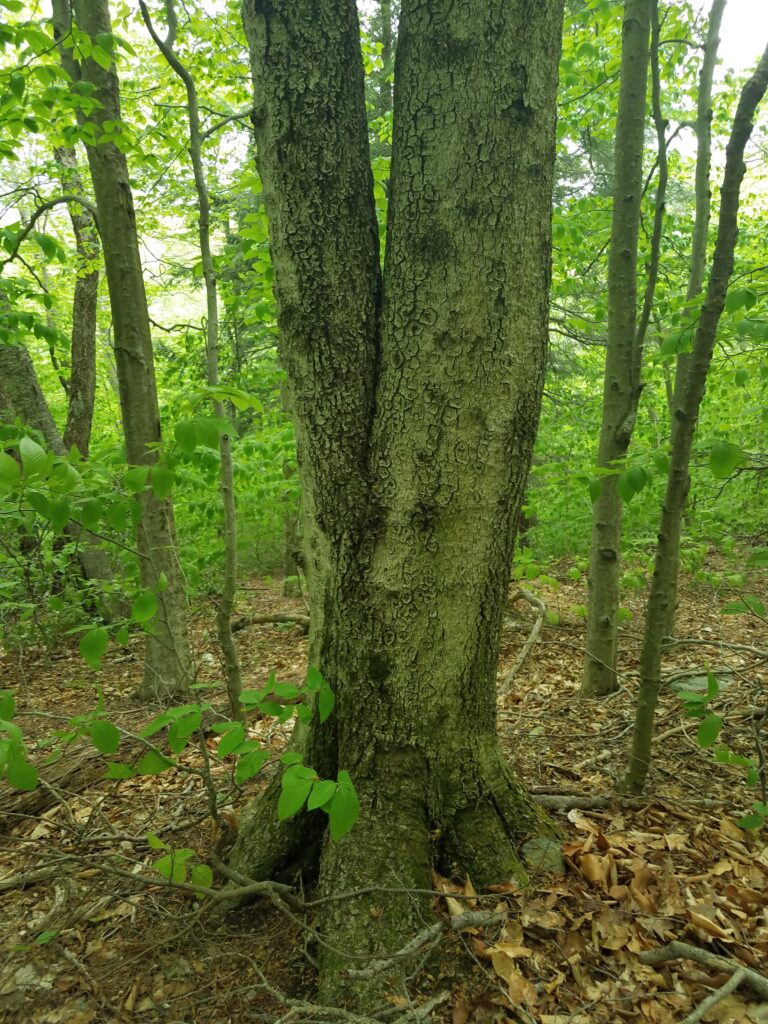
[(82, 947)]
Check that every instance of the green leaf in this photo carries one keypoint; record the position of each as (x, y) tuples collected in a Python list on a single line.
[(93, 644), (116, 770), (709, 730), (637, 477), (315, 680), (34, 460), (249, 765), (291, 757), (162, 583), (144, 606), (231, 739), (10, 471), (161, 479), (344, 808), (156, 842), (724, 459), (135, 479), (182, 728), (45, 937), (661, 462), (201, 875), (122, 636), (174, 865), (22, 774), (58, 515), (759, 559), (17, 84), (90, 514), (322, 791), (751, 821), (207, 431), (103, 59), (186, 436), (625, 488), (153, 763), (39, 502), (740, 378), (326, 703), (105, 736), (740, 298), (296, 786), (7, 705), (595, 487), (117, 515), (744, 605)]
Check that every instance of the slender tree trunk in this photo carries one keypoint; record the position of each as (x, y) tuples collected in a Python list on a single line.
[(416, 407), (686, 414), (168, 663), (81, 390), (229, 582), (621, 389), (700, 228)]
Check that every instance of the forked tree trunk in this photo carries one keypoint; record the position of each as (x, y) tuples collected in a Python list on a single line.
[(700, 227), (621, 387), (416, 406), (168, 663), (686, 414)]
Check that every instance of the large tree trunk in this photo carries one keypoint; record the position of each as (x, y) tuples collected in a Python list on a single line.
[(686, 415), (81, 391), (415, 416), (168, 663), (621, 388)]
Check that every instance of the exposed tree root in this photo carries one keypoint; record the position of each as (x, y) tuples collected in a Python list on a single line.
[(254, 620)]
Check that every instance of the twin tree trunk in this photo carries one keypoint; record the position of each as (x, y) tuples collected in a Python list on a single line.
[(686, 415), (621, 388), (168, 663), (416, 402)]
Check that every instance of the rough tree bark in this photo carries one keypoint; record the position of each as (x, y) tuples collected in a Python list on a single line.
[(416, 403), (621, 388), (81, 389), (686, 415), (168, 663), (703, 195)]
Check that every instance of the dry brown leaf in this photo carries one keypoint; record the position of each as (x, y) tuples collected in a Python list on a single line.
[(521, 990), (461, 1011)]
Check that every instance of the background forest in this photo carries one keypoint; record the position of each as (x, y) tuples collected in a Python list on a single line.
[(155, 592)]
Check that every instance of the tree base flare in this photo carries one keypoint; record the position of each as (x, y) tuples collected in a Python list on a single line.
[(375, 886)]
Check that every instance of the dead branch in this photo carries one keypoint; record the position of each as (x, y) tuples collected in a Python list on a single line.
[(706, 1004), (683, 951), (256, 620), (541, 611)]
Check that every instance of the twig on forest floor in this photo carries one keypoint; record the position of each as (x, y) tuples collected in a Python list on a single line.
[(470, 919), (255, 620), (541, 611), (715, 997), (565, 801), (683, 951)]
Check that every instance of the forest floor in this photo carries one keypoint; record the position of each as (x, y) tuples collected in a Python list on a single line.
[(84, 941)]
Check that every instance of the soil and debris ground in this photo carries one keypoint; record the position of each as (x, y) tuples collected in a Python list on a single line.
[(83, 943)]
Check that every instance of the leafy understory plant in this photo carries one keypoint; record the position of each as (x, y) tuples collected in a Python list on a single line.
[(301, 785), (695, 706)]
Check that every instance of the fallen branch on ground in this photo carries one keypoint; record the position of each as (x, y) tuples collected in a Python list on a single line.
[(541, 611), (683, 951), (256, 620)]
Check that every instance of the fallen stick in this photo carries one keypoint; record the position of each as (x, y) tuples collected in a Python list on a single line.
[(714, 998), (541, 609), (683, 951), (256, 620)]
